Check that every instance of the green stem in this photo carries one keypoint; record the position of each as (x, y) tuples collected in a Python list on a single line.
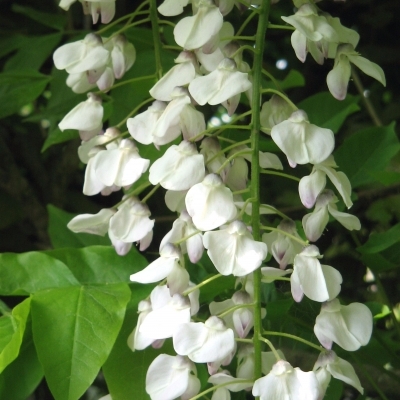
[(134, 111), (230, 38), (241, 49), (284, 97), (152, 191), (268, 172), (129, 16), (166, 22), (156, 37), (128, 81), (178, 242), (201, 284), (167, 47), (255, 173), (275, 210), (286, 27), (270, 76), (299, 339), (126, 27), (246, 22), (272, 347), (211, 389), (232, 309), (270, 228), (241, 191), (232, 157), (223, 151)]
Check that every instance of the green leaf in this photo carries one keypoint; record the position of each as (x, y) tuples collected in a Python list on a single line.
[(125, 371), (56, 21), (367, 152), (380, 241), (377, 263), (74, 330), (277, 309), (33, 53), (378, 310), (18, 88), (99, 264), (12, 328), (293, 79), (61, 236), (327, 112), (56, 137), (26, 273), (335, 390), (22, 376)]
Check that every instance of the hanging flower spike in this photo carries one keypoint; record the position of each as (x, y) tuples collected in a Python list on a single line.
[(179, 168), (210, 203), (170, 377), (193, 32), (287, 383), (204, 342), (317, 281), (338, 78), (301, 141), (233, 250), (315, 222), (348, 326), (86, 117), (329, 364), (220, 85)]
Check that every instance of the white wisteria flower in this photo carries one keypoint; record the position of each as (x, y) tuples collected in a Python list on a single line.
[(233, 250), (170, 377), (301, 141), (193, 32), (348, 326), (131, 223), (179, 168), (96, 224), (179, 75), (328, 365), (317, 281), (311, 186), (281, 246), (338, 78), (204, 342), (220, 85), (123, 55), (210, 203), (214, 158), (81, 56), (183, 228), (287, 383), (170, 8), (167, 314), (86, 117), (273, 112), (166, 266), (314, 223)]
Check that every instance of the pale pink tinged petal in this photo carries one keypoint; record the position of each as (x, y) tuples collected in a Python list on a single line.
[(295, 286), (243, 321), (338, 79), (189, 337), (170, 8), (310, 187), (369, 68), (350, 222), (107, 11), (315, 223), (106, 80), (193, 32), (145, 242), (195, 248), (121, 248), (155, 271), (299, 44)]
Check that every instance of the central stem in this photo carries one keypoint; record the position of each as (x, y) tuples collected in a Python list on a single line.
[(156, 37), (255, 172)]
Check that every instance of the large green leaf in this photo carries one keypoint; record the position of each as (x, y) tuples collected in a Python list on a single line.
[(366, 153), (327, 112), (380, 241), (18, 88), (56, 21), (22, 376), (12, 328), (33, 53), (74, 330), (26, 273), (61, 236), (99, 264), (125, 371)]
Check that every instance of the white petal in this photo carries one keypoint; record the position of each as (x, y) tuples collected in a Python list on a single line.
[(338, 78), (96, 224), (350, 222), (315, 223), (170, 8), (155, 271), (310, 187), (369, 68)]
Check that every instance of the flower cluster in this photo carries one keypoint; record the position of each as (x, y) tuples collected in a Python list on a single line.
[(207, 185)]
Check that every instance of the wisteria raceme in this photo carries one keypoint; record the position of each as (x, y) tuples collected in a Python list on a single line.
[(208, 183)]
